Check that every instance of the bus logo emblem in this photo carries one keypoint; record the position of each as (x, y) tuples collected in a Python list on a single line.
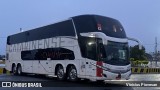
[(99, 27)]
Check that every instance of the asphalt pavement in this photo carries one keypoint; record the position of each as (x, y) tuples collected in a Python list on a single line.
[(83, 84)]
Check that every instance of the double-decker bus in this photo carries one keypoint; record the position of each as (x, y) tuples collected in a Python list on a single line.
[(86, 46)]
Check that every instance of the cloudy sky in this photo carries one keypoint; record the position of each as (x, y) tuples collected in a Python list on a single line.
[(140, 18)]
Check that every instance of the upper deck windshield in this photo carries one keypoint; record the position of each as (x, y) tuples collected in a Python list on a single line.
[(96, 23), (115, 53), (110, 27)]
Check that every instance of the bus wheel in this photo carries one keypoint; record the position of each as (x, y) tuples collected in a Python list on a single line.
[(72, 74), (14, 70), (60, 73), (19, 70)]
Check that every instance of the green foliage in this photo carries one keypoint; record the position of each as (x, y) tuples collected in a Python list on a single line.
[(131, 59), (139, 62), (144, 62), (137, 54)]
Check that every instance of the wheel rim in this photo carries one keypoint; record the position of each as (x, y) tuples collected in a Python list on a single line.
[(60, 73), (73, 74)]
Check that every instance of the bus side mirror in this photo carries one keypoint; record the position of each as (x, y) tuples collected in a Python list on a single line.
[(136, 40)]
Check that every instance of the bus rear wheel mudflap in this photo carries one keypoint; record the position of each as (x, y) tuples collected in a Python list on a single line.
[(60, 73), (72, 74)]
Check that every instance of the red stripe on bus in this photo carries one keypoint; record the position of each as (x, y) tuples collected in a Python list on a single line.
[(99, 70)]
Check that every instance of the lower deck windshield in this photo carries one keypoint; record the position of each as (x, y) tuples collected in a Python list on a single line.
[(115, 53)]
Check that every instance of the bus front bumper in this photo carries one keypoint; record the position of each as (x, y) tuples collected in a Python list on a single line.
[(106, 75)]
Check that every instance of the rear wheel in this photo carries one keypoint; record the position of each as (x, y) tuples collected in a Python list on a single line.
[(60, 73), (14, 70), (72, 74), (19, 70)]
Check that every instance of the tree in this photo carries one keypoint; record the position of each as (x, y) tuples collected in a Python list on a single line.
[(136, 53)]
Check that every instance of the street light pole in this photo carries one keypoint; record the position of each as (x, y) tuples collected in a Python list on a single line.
[(156, 51)]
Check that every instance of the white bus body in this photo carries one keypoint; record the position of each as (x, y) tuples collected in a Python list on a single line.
[(75, 48)]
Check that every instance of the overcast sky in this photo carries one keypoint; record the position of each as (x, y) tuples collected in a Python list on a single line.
[(140, 18)]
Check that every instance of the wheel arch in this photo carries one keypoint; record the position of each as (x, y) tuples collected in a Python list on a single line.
[(19, 64), (13, 64)]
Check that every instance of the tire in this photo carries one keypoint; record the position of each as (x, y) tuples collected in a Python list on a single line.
[(14, 70), (72, 74), (19, 70), (60, 73)]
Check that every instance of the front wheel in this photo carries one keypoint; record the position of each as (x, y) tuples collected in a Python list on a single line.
[(72, 74)]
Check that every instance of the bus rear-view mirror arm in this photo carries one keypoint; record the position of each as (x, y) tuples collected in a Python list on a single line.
[(136, 40)]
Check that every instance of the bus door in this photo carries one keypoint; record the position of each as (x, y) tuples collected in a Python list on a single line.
[(35, 61), (45, 66), (28, 59), (35, 68), (89, 49), (91, 57), (101, 55), (42, 63), (94, 54)]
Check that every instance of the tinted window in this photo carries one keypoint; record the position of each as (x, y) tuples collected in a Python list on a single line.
[(17, 38), (91, 49), (84, 23), (52, 53), (110, 27), (116, 53), (96, 23), (88, 47), (64, 28)]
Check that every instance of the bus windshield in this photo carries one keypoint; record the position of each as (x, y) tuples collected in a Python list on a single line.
[(110, 27), (115, 53)]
